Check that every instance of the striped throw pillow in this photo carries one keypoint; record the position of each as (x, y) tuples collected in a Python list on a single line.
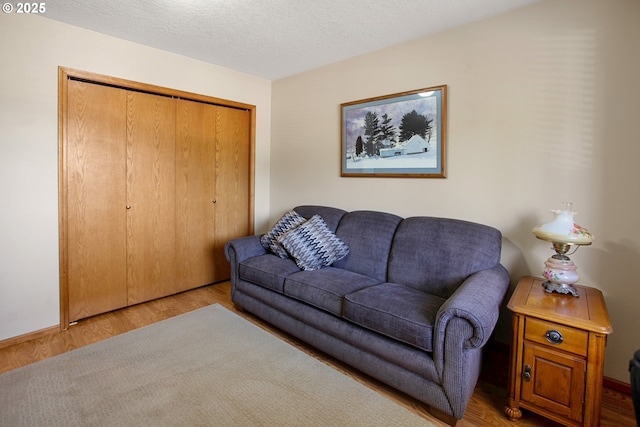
[(288, 221), (313, 245)]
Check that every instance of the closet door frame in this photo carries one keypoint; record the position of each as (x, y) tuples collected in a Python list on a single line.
[(64, 75)]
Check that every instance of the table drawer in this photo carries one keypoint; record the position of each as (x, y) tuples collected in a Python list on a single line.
[(558, 336)]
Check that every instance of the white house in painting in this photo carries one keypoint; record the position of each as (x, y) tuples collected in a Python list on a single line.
[(414, 145)]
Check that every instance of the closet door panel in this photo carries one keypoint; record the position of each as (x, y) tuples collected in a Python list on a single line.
[(150, 197), (95, 195), (232, 182), (195, 174)]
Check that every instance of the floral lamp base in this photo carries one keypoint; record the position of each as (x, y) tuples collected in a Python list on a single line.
[(561, 274)]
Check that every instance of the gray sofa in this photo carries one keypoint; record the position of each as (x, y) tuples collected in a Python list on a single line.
[(412, 304)]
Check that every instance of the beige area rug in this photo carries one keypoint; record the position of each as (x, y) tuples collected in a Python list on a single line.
[(208, 367)]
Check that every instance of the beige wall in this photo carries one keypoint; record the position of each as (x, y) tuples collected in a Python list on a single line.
[(32, 48), (544, 104)]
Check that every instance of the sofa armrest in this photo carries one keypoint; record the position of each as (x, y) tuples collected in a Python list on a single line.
[(477, 301), (243, 248)]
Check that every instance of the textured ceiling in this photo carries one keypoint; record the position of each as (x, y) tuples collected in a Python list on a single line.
[(273, 38)]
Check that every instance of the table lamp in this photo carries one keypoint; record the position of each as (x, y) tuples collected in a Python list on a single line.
[(563, 233)]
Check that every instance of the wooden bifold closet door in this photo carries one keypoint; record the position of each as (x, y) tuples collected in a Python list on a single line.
[(96, 219), (150, 204), (152, 187)]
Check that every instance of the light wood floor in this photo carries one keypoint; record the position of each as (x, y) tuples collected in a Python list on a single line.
[(485, 408)]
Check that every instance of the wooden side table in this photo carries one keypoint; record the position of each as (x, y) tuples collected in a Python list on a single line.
[(557, 353)]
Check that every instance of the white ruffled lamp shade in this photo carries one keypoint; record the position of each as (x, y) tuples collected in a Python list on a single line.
[(563, 229)]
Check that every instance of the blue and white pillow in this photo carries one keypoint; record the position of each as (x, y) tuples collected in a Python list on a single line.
[(313, 245), (288, 221)]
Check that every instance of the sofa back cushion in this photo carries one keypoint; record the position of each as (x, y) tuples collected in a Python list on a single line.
[(369, 235), (331, 216), (436, 255)]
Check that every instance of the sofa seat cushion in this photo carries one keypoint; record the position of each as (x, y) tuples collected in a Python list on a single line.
[(397, 311), (268, 271), (325, 288)]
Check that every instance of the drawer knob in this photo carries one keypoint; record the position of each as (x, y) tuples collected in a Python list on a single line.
[(527, 373), (554, 337)]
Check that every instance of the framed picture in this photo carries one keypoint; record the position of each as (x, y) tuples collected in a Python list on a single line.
[(399, 135)]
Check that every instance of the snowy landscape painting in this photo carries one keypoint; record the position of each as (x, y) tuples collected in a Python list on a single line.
[(399, 135)]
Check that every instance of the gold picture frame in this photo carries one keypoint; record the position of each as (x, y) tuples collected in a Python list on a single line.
[(398, 135)]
